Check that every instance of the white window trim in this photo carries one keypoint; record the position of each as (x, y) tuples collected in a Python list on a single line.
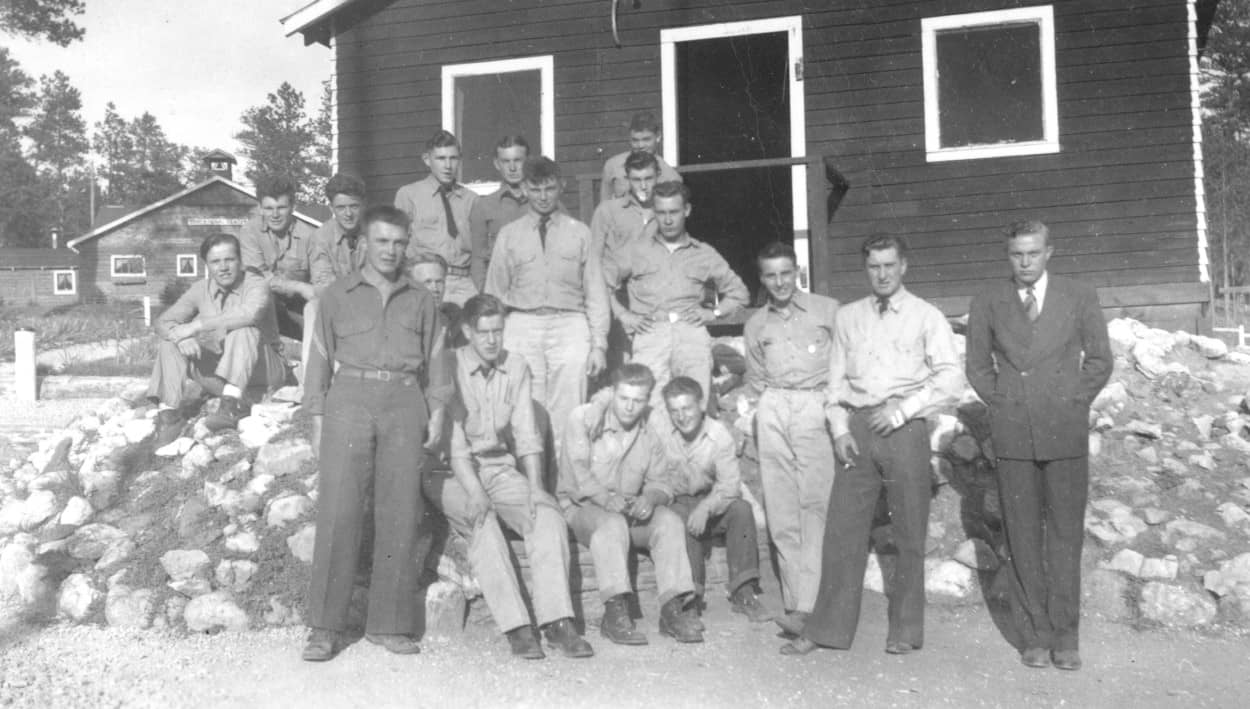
[(73, 275), (195, 264), (545, 65), (1044, 17), (113, 266)]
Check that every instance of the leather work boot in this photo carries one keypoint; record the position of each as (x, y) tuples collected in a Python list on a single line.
[(562, 635), (745, 600), (227, 414), (676, 623), (525, 643), (322, 645), (394, 642), (616, 625), (169, 425)]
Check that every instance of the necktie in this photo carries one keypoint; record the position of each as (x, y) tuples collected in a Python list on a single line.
[(542, 230), (444, 191), (221, 300), (1030, 304), (883, 304)]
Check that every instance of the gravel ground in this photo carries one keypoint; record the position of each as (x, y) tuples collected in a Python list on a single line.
[(964, 664)]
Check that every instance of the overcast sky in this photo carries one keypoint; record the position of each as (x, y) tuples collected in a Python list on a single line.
[(194, 64)]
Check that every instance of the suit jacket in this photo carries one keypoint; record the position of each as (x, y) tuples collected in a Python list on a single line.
[(1038, 378)]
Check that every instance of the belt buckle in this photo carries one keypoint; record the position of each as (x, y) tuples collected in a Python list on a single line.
[(384, 375)]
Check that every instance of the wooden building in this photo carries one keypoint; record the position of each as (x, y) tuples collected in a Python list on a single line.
[(822, 122), (41, 276), (149, 249)]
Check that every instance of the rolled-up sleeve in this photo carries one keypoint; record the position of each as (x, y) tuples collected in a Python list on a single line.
[(946, 378), (578, 481)]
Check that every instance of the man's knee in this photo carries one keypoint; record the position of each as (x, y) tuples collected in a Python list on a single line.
[(248, 337), (667, 524), (610, 534)]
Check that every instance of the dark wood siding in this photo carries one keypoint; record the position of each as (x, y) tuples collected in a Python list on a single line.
[(1119, 196), (33, 285)]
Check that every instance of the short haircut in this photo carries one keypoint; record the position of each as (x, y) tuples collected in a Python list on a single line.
[(275, 186), (441, 139), (213, 240), (427, 257), (344, 183), (777, 249), (672, 188), (641, 160), (881, 242), (633, 374), (644, 122), (513, 141), (540, 169), (678, 386), (482, 305), (386, 214), (1029, 226)]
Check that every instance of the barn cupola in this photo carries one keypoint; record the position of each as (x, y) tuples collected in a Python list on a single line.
[(220, 164)]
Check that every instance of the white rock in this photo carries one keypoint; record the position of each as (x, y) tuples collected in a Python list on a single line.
[(1236, 357), (38, 508), (235, 574), (200, 430), (285, 510), (125, 607), (76, 513), (175, 606), (1095, 445), (1202, 460), (100, 486), (1203, 424), (77, 597), (943, 429), (977, 554), (175, 448), (197, 458), (1122, 333), (1233, 514), (256, 431), (279, 412), (88, 423), (243, 543), (35, 591), (1180, 528), (948, 578), (1208, 347), (1144, 429), (301, 543), (1164, 569), (290, 394), (260, 485), (283, 458), (874, 579), (1125, 561), (1148, 454), (15, 558), (1175, 605), (1155, 516), (183, 564), (278, 613), (214, 493), (1112, 396), (1235, 442), (192, 586), (214, 610), (1232, 574), (115, 555), (138, 430), (91, 541)]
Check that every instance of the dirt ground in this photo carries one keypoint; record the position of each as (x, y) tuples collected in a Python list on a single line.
[(965, 663)]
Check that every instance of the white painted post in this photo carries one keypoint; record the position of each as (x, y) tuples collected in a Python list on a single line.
[(147, 310), (24, 363)]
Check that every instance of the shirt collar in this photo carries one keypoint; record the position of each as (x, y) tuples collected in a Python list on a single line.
[(477, 364), (798, 300), (505, 193), (896, 301), (687, 241), (435, 186), (1039, 287), (214, 289), (357, 278)]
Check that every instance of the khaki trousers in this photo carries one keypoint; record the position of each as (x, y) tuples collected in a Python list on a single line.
[(609, 536), (459, 289), (796, 471), (556, 348), (242, 361), (674, 350), (546, 543)]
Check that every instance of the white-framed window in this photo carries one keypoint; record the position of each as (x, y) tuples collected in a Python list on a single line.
[(484, 101), (65, 282), (188, 267), (128, 266), (989, 84)]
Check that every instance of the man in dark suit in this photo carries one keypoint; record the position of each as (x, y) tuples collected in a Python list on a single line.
[(1038, 354)]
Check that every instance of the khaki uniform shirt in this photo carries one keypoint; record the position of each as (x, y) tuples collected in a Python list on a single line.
[(706, 465), (621, 221), (246, 305), (600, 456), (615, 183), (490, 214), (429, 234), (494, 414), (285, 257), (667, 284), (332, 254), (790, 349)]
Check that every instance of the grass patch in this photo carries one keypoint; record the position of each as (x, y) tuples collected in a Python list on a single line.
[(71, 325), (130, 359)]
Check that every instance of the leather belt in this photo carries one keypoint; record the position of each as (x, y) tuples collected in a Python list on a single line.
[(378, 375), (544, 311), (819, 387), (457, 270)]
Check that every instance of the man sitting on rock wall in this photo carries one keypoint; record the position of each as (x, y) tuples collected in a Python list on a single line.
[(493, 439), (221, 336)]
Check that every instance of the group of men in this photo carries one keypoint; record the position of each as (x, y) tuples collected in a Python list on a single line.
[(450, 344)]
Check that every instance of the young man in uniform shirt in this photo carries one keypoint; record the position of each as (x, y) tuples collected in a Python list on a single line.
[(893, 363), (707, 495), (439, 208), (501, 207), (337, 248), (376, 403), (644, 136), (621, 220), (664, 276), (787, 344), (496, 461), (278, 247)]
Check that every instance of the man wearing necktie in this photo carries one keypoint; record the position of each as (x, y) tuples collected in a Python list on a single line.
[(1038, 354), (439, 207), (893, 362), (501, 207)]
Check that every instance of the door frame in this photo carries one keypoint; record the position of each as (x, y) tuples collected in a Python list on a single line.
[(793, 27)]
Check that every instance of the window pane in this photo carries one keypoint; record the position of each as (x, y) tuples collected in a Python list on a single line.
[(490, 106), (128, 265), (990, 85)]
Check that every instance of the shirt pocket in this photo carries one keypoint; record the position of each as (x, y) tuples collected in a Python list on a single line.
[(355, 332)]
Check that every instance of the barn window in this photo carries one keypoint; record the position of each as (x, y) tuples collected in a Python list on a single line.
[(485, 101), (989, 84), (65, 282), (128, 266), (187, 266)]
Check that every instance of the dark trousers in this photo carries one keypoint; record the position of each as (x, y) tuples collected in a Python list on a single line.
[(899, 462), (742, 549), (371, 449), (1044, 513), (290, 312)]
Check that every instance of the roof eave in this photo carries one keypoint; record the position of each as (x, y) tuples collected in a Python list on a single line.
[(314, 20)]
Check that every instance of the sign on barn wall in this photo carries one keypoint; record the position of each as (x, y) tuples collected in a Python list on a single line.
[(215, 221)]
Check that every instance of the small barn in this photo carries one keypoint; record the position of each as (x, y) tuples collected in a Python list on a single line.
[(822, 122), (46, 277), (144, 251)]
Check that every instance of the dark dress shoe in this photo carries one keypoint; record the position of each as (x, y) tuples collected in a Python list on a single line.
[(563, 636), (1066, 659), (322, 645), (169, 425), (393, 642), (1035, 657), (617, 626), (793, 622), (525, 643), (898, 647), (746, 601), (676, 623), (798, 646), (227, 415)]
